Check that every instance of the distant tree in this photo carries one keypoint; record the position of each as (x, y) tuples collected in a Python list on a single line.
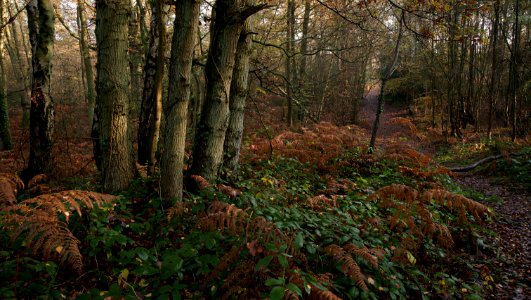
[(90, 89), (112, 103), (41, 35), (5, 134)]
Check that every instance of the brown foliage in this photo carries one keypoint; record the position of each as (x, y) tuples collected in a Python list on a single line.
[(37, 220), (10, 184)]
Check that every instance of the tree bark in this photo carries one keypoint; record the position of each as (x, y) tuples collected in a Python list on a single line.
[(176, 110), (115, 146), (290, 62), (5, 134), (151, 107), (90, 92), (494, 67), (41, 30), (389, 72), (225, 31), (238, 95)]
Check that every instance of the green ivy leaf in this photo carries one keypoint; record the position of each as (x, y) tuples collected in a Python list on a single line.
[(299, 241), (277, 293)]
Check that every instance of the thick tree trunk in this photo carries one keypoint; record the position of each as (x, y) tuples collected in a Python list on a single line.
[(41, 29), (151, 108), (90, 89), (5, 134), (176, 110), (238, 95), (117, 159), (210, 136)]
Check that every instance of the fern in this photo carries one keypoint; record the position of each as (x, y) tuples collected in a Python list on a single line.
[(348, 264), (10, 184), (37, 221)]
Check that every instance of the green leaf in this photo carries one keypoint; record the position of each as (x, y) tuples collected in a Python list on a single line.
[(283, 261), (264, 262), (299, 241), (114, 291), (292, 287), (275, 281), (277, 293), (142, 253)]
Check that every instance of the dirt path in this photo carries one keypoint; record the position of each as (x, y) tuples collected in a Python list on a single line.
[(367, 114), (511, 258), (512, 269)]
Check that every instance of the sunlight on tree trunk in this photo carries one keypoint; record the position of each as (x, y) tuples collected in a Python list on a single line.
[(176, 109), (42, 34), (116, 149)]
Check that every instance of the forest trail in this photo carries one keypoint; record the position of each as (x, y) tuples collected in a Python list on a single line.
[(513, 216), (509, 263)]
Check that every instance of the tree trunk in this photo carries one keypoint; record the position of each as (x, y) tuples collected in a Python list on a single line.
[(238, 95), (151, 108), (115, 146), (182, 49), (225, 31), (19, 66), (514, 68), (494, 66), (5, 134), (90, 92), (41, 30), (389, 72), (290, 62)]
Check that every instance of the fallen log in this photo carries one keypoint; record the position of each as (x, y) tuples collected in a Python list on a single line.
[(481, 162)]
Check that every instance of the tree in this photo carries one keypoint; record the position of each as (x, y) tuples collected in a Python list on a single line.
[(41, 34), (151, 107), (5, 134), (390, 69), (90, 90), (238, 95), (112, 101), (176, 109), (210, 136)]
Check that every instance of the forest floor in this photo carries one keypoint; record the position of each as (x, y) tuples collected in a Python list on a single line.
[(511, 203)]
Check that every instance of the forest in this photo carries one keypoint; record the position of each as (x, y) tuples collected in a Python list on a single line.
[(265, 149)]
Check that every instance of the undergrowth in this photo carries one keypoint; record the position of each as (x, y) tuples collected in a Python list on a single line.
[(340, 226)]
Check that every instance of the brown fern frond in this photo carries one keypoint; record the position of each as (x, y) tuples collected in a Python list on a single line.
[(229, 191), (178, 209), (37, 179), (57, 202), (289, 295), (348, 265), (233, 291), (10, 184), (363, 253), (224, 262), (320, 201), (7, 193), (351, 268), (36, 220), (243, 271), (200, 182), (394, 191), (444, 237), (459, 203), (318, 294), (45, 234)]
